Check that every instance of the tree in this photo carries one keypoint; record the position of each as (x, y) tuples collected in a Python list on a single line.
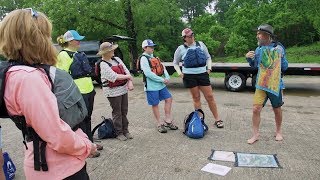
[(193, 8)]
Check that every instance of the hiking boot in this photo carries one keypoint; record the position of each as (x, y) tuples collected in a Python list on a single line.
[(162, 129), (121, 137), (171, 126), (128, 136), (99, 147), (94, 155)]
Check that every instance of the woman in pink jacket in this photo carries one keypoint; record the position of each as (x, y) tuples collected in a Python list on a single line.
[(26, 37)]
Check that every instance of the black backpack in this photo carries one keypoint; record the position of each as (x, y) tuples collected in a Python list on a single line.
[(80, 66), (72, 108), (105, 129)]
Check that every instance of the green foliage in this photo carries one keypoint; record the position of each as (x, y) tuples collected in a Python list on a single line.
[(236, 45), (211, 44)]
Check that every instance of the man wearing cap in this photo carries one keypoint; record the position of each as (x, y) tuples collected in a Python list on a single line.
[(270, 59), (196, 75), (70, 42)]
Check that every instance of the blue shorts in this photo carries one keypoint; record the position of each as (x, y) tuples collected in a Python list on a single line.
[(154, 97)]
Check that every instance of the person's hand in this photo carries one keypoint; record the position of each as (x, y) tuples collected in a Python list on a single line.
[(181, 75), (129, 77), (208, 71), (130, 85), (250, 54), (93, 149), (166, 81)]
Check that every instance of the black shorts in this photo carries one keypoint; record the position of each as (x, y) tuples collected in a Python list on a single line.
[(193, 80)]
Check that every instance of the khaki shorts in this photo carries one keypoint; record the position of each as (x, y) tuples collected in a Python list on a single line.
[(261, 97)]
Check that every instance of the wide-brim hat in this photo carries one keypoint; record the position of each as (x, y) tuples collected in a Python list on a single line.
[(106, 47)]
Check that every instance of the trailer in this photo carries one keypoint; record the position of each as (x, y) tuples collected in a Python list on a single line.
[(236, 74)]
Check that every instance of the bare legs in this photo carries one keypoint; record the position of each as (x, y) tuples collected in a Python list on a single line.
[(278, 119), (256, 122), (208, 95), (167, 111)]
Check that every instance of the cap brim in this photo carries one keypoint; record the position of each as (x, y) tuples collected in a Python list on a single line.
[(115, 46), (79, 38)]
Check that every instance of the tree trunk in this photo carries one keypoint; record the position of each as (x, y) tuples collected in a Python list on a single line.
[(131, 33)]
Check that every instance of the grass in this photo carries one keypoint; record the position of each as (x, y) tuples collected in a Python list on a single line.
[(301, 54)]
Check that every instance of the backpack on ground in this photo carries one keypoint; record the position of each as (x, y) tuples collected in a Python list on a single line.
[(155, 65), (195, 126), (72, 108), (8, 167), (119, 69), (80, 66), (105, 129), (195, 57)]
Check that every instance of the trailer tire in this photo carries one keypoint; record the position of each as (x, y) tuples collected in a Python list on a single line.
[(235, 81)]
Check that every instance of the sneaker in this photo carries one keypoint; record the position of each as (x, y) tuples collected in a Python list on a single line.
[(171, 126), (94, 155), (128, 136), (99, 147), (162, 129), (121, 137)]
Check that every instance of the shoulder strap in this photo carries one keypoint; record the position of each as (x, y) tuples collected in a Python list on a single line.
[(97, 126), (70, 53), (198, 44)]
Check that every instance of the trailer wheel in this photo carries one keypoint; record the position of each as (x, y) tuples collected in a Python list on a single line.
[(235, 81)]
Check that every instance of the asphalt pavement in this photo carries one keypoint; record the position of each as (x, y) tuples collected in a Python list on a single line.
[(151, 155)]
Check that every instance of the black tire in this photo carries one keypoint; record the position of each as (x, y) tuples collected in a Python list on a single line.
[(235, 81)]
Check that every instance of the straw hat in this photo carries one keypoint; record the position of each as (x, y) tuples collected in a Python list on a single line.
[(106, 47)]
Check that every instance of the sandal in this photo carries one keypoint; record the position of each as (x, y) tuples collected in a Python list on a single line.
[(171, 126), (219, 124), (162, 129)]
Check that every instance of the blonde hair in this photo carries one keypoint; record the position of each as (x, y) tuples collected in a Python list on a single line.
[(26, 37), (63, 43)]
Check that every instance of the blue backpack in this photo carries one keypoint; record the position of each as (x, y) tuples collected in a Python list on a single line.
[(80, 66), (9, 168), (105, 129), (194, 125), (195, 57)]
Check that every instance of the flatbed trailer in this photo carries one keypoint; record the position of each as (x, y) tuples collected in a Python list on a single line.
[(236, 74)]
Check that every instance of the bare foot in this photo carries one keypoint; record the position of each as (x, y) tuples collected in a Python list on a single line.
[(253, 139), (279, 137)]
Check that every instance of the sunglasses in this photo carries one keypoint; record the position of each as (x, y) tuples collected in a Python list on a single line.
[(33, 12)]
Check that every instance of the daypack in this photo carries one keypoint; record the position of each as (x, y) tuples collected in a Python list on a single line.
[(8, 167), (155, 65), (194, 57), (117, 69), (72, 108), (105, 129), (195, 126), (80, 66)]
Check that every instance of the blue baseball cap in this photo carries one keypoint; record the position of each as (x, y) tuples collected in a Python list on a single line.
[(72, 35), (147, 43)]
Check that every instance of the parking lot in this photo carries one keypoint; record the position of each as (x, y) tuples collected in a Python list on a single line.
[(151, 155)]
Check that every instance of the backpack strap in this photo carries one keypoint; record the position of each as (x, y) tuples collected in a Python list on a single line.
[(97, 126), (70, 53), (197, 44)]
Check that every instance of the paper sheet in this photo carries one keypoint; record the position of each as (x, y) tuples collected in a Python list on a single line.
[(216, 169), (223, 156)]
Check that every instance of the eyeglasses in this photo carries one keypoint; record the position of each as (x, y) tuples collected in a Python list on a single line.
[(33, 12)]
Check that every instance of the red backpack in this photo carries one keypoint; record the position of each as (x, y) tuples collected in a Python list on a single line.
[(117, 69)]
